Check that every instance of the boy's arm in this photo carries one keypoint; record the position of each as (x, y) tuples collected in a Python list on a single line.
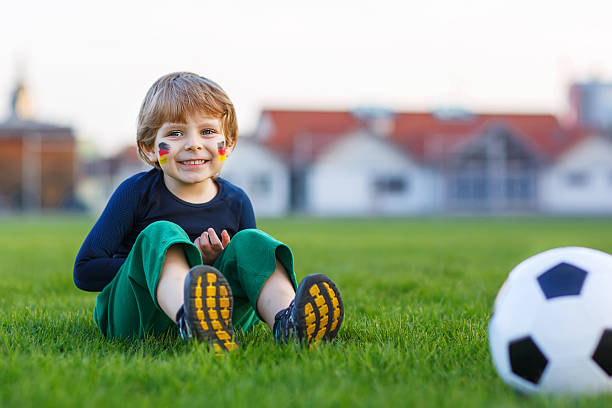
[(96, 263), (247, 215)]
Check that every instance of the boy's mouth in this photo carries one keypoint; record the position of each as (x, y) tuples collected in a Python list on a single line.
[(193, 162)]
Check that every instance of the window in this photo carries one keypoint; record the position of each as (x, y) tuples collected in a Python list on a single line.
[(518, 188), (576, 178), (390, 185), (470, 187)]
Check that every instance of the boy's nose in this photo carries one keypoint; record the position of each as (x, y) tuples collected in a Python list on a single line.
[(193, 142)]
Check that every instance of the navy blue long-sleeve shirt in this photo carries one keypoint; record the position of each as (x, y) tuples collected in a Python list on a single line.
[(141, 200)]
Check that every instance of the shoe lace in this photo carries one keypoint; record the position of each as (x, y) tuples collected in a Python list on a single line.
[(284, 326), (183, 327)]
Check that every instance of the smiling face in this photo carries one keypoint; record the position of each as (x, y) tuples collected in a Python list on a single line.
[(188, 153)]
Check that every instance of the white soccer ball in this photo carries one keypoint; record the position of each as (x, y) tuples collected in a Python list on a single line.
[(551, 328)]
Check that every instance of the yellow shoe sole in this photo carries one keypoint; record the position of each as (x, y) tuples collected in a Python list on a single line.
[(208, 307), (318, 309)]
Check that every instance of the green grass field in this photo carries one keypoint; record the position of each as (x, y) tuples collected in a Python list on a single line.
[(418, 294)]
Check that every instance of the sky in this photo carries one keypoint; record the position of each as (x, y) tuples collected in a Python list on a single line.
[(89, 64)]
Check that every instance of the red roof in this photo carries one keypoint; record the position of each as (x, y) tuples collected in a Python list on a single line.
[(576, 135), (318, 127), (421, 134)]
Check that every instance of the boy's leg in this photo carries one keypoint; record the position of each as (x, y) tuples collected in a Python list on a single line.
[(247, 262), (253, 264), (127, 307), (276, 294), (158, 285), (171, 284), (260, 272)]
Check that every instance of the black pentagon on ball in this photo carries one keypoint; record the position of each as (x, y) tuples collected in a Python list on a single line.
[(603, 353), (526, 359), (562, 280)]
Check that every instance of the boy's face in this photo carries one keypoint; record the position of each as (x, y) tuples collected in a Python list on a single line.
[(188, 153)]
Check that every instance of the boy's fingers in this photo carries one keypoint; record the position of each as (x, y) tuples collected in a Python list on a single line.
[(202, 238), (204, 241), (214, 239), (225, 238), (205, 248)]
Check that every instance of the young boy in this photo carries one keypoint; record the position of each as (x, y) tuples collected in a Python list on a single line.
[(177, 245)]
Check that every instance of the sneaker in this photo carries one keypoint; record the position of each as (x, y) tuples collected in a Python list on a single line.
[(206, 314), (315, 314)]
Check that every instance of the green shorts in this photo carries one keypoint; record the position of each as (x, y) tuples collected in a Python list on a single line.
[(127, 307)]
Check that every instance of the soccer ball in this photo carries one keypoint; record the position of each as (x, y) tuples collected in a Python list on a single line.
[(551, 328)]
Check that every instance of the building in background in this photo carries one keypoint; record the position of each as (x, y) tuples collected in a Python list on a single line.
[(297, 137), (364, 172), (590, 106), (262, 175), (580, 179), (38, 161), (483, 162), (374, 162)]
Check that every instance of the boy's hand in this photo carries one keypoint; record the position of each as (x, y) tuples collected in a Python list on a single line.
[(210, 245)]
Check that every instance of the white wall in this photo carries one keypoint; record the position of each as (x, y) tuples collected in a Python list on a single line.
[(342, 179), (589, 166), (262, 175)]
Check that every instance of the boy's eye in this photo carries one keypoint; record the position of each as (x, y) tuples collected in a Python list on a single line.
[(175, 133), (208, 132)]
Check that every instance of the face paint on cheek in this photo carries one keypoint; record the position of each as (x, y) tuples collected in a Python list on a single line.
[(164, 149), (221, 150)]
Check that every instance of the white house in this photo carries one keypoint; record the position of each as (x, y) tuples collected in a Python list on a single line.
[(417, 162), (492, 170), (262, 175), (580, 180), (363, 174)]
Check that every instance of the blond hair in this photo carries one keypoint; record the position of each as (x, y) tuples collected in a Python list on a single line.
[(176, 96)]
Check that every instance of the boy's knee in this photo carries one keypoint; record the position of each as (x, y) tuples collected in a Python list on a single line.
[(249, 235), (161, 226)]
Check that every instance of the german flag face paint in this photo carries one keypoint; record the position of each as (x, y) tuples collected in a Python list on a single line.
[(164, 149), (222, 152)]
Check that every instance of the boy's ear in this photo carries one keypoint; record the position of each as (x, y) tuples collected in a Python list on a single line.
[(149, 152), (229, 148)]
